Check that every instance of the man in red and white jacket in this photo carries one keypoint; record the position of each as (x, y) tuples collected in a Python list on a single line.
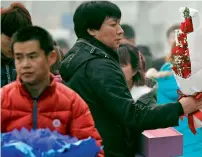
[(35, 100)]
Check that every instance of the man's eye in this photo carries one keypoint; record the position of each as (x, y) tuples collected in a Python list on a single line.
[(33, 56), (18, 57), (113, 24)]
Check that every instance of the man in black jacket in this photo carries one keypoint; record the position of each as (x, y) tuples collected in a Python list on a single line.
[(13, 18), (92, 69)]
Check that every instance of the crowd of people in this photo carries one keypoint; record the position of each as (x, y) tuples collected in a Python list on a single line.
[(106, 86)]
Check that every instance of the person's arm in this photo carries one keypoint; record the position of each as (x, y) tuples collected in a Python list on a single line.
[(82, 125), (109, 84), (4, 112)]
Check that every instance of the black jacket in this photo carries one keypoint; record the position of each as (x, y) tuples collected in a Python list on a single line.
[(93, 71), (8, 72)]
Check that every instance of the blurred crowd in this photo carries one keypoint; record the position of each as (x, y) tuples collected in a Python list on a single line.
[(100, 94)]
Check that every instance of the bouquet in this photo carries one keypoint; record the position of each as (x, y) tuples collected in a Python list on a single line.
[(187, 61), (44, 143)]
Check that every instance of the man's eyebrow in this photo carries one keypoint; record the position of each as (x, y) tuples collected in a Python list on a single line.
[(115, 20), (18, 53), (30, 53)]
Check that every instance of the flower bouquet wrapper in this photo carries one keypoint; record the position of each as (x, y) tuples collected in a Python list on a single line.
[(45, 143), (187, 61)]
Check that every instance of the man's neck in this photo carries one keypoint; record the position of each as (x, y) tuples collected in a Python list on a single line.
[(36, 90)]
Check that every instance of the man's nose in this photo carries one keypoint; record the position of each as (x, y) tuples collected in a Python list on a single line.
[(25, 63), (120, 30)]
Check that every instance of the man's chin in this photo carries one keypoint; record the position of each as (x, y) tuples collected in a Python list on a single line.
[(28, 82)]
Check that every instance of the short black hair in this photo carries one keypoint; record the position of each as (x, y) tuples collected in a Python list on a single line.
[(129, 32), (91, 15), (172, 29), (34, 33), (129, 54), (13, 18)]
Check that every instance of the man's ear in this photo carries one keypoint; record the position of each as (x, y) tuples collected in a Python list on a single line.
[(52, 57), (92, 32)]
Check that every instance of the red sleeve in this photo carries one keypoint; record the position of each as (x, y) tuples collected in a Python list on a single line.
[(82, 124), (4, 111)]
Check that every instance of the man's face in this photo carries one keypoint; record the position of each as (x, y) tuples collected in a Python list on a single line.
[(5, 46), (110, 33), (32, 65)]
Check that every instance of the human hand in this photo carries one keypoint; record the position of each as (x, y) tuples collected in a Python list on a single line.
[(190, 104)]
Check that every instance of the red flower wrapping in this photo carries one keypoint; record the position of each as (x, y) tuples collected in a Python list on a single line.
[(187, 26), (174, 69), (186, 72), (182, 66), (182, 38), (186, 53), (181, 62), (180, 54), (174, 50), (178, 50)]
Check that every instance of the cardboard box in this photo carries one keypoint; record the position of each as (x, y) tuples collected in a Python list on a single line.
[(161, 143)]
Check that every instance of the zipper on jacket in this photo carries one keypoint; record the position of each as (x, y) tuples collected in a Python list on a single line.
[(34, 114), (8, 74)]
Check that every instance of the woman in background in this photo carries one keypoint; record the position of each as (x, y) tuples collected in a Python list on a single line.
[(55, 67), (133, 66)]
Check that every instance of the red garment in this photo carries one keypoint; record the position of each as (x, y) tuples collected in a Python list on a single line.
[(58, 108)]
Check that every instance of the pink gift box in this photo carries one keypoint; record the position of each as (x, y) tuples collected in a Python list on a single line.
[(161, 143)]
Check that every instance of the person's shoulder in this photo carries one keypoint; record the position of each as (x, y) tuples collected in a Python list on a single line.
[(63, 89), (67, 93), (166, 67), (9, 88), (101, 63)]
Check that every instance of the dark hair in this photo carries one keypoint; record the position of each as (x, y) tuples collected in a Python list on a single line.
[(56, 65), (145, 50), (34, 33), (129, 54), (172, 29), (91, 15), (13, 18), (129, 32)]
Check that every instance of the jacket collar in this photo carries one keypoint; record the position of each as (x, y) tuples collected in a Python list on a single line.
[(113, 54), (49, 90)]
